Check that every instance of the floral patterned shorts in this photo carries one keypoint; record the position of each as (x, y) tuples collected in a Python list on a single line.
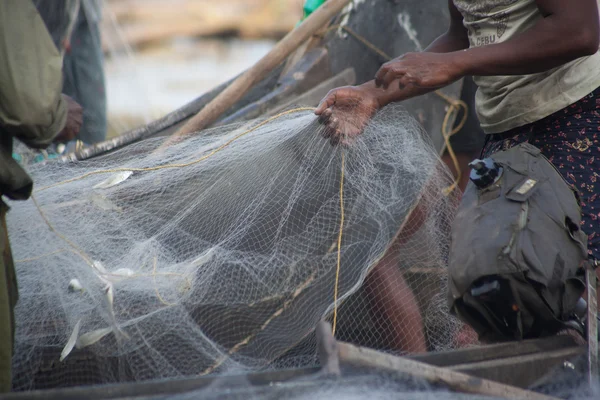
[(570, 139)]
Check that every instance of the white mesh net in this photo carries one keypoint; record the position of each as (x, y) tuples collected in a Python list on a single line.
[(356, 386), (220, 253)]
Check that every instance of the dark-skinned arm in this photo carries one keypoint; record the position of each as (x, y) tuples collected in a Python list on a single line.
[(355, 105), (567, 30), (455, 39)]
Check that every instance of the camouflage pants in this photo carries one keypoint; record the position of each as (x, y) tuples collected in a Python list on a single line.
[(8, 300)]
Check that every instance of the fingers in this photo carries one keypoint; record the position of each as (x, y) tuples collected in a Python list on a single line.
[(403, 77), (405, 68), (380, 74), (341, 96), (389, 72), (334, 140), (337, 108), (332, 125), (327, 102), (405, 81), (325, 116)]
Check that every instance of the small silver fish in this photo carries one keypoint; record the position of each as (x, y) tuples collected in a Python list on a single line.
[(71, 342), (88, 339), (103, 203), (75, 286), (114, 180), (99, 267)]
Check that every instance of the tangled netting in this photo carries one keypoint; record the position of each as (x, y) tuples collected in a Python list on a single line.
[(355, 386), (222, 251)]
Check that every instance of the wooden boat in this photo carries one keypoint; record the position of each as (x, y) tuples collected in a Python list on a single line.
[(348, 52)]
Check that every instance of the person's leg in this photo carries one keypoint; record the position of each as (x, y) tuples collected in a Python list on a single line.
[(8, 299), (394, 301), (392, 298), (84, 79), (466, 144)]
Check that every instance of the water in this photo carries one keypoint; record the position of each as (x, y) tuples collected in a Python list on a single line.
[(156, 81)]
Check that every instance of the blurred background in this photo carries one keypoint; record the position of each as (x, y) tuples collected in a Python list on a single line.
[(161, 54)]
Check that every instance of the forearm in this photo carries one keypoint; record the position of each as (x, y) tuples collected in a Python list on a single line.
[(446, 43), (394, 92), (449, 42), (454, 40), (548, 44)]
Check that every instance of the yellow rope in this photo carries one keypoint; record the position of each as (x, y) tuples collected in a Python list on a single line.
[(183, 165), (339, 245), (160, 298), (75, 248), (237, 347), (23, 260), (85, 257), (455, 105)]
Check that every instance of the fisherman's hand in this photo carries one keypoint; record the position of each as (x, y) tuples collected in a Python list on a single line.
[(425, 70), (345, 112), (74, 121), (66, 44)]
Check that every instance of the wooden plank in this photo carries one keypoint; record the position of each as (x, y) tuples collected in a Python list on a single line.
[(310, 71), (592, 325), (166, 387), (314, 95), (458, 381), (521, 371), (496, 351), (277, 55)]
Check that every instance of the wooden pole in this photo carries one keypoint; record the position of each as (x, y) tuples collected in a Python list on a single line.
[(259, 71), (592, 324), (367, 358)]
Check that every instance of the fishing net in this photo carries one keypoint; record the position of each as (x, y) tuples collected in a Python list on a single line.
[(222, 251), (373, 386)]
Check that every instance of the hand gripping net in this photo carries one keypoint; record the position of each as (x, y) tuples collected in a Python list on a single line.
[(221, 253)]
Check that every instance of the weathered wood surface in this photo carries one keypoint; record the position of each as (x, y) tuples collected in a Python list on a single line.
[(458, 381), (263, 67), (378, 22), (519, 364), (534, 348), (496, 351), (592, 325)]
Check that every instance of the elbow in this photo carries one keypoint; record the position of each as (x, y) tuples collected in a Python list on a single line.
[(586, 41), (589, 44)]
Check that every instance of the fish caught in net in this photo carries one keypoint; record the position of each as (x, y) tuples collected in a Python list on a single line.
[(222, 251)]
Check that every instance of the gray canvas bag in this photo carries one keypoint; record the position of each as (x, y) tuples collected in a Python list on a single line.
[(517, 253)]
